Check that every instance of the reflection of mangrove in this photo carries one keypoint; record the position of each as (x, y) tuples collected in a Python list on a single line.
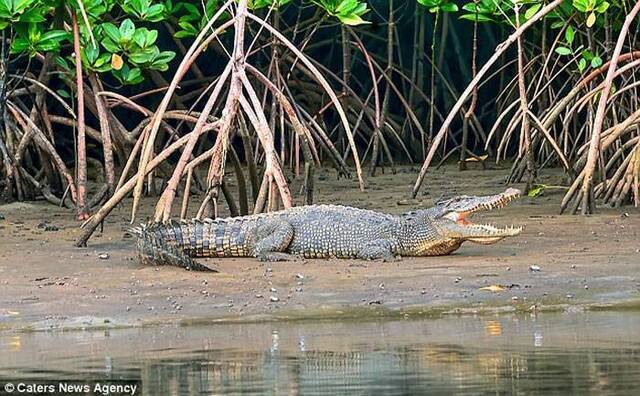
[(419, 369)]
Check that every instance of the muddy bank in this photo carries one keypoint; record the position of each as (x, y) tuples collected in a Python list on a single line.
[(584, 262)]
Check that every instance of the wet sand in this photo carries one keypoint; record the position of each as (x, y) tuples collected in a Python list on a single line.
[(585, 263)]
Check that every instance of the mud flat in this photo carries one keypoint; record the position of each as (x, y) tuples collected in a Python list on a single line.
[(558, 263)]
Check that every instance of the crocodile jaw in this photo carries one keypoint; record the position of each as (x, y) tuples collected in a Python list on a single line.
[(463, 228), (487, 234)]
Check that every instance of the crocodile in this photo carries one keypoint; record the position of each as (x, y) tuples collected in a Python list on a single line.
[(325, 231)]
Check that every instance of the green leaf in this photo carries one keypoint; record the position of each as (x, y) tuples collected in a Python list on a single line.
[(602, 7), (139, 37), (184, 34), (479, 17), (532, 11), (429, 3), (449, 7), (352, 20), (563, 51), (112, 32), (165, 57), (596, 62), (63, 93), (580, 5), (191, 9), (20, 5), (557, 24), (582, 65), (34, 32), (127, 28), (19, 45), (102, 59), (346, 6), (145, 56), (62, 62), (33, 15), (155, 13), (188, 27), (134, 76), (570, 34), (588, 55), (110, 46), (47, 46), (91, 53)]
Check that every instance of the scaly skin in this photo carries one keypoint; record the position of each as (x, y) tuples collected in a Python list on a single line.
[(324, 231)]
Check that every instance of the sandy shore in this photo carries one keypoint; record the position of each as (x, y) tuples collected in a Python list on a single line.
[(585, 263)]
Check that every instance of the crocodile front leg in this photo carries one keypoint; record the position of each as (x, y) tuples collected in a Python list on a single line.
[(377, 249), (272, 241)]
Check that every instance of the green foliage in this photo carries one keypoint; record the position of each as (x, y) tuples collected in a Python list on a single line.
[(108, 44), (191, 19), (144, 10), (123, 48), (439, 5), (137, 45), (258, 4), (95, 9), (33, 39), (349, 12), (591, 8), (486, 10), (122, 36), (22, 11)]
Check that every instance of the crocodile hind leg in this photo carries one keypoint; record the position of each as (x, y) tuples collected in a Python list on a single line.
[(272, 241)]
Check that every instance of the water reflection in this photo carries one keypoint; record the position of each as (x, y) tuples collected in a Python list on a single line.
[(585, 353)]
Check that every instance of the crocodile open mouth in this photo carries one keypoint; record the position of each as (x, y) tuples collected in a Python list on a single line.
[(464, 207)]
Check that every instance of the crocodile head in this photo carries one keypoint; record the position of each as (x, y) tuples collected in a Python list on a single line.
[(442, 228), (452, 218)]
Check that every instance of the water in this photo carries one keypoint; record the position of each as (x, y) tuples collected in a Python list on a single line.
[(579, 353)]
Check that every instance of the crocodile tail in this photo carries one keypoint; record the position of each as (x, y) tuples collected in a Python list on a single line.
[(153, 249)]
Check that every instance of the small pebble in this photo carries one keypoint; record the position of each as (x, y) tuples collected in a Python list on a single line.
[(535, 268), (269, 269), (259, 296), (569, 295), (273, 290), (103, 256), (299, 276), (573, 266), (458, 279), (128, 309), (274, 299), (508, 268), (514, 298)]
